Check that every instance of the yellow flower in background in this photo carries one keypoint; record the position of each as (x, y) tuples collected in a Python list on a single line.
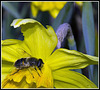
[(53, 7), (40, 42), (79, 3)]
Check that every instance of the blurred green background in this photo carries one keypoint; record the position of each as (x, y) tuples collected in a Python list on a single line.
[(83, 20)]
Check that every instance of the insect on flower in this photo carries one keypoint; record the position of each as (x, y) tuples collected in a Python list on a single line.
[(28, 62)]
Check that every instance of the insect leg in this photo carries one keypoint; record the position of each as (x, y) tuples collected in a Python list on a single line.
[(37, 71), (15, 72), (30, 72), (40, 70)]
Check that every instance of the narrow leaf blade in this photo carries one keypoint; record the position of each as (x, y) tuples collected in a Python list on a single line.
[(88, 28), (10, 8), (64, 15)]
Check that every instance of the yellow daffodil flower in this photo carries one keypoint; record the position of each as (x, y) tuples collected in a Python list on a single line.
[(53, 7), (39, 43)]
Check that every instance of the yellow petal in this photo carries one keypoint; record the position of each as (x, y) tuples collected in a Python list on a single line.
[(47, 6), (71, 59), (11, 50), (79, 3), (60, 5), (64, 78), (54, 13), (10, 42), (37, 4), (41, 41), (34, 10), (46, 79), (6, 68)]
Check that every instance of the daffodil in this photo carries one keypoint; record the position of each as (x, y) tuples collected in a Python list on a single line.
[(40, 43), (53, 7)]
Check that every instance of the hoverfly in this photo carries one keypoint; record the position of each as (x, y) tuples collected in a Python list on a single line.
[(28, 62)]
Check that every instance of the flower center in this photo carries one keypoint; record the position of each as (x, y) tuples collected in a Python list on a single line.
[(30, 72)]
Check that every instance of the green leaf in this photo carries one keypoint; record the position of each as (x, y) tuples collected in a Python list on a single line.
[(88, 32), (95, 74), (10, 8), (64, 15), (88, 27), (25, 9)]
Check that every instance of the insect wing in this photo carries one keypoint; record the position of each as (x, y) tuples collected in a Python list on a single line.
[(32, 61), (22, 53)]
